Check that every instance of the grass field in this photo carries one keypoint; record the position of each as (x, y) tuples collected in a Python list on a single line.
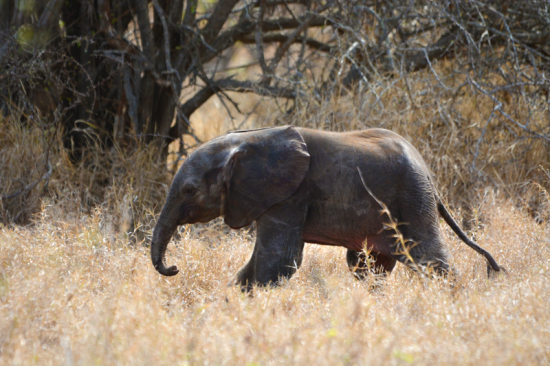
[(71, 293), (77, 286), (74, 290)]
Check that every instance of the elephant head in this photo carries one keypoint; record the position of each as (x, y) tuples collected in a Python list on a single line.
[(239, 175)]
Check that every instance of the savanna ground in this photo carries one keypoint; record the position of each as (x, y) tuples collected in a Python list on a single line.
[(70, 294), (75, 289)]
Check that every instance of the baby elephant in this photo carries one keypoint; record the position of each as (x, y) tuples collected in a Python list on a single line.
[(303, 185)]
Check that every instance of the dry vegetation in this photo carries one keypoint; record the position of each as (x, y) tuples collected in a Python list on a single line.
[(77, 286), (75, 291), (70, 294)]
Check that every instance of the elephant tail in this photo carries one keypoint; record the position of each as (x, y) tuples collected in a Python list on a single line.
[(492, 264)]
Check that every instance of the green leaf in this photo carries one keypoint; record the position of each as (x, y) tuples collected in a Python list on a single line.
[(403, 356), (25, 34)]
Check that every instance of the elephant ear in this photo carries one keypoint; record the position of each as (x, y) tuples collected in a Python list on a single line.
[(267, 167)]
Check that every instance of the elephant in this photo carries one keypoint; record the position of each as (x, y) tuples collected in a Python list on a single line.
[(303, 185)]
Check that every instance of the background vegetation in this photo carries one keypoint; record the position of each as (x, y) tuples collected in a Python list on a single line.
[(101, 101)]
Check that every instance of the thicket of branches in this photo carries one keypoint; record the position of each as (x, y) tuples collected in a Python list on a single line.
[(111, 73)]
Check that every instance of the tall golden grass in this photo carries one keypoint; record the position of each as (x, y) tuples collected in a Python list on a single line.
[(74, 290), (71, 295), (128, 183)]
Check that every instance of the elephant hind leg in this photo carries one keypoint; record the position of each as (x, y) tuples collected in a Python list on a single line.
[(360, 265), (436, 266), (429, 256), (420, 245)]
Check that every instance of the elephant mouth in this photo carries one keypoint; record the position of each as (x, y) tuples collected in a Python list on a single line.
[(189, 214), (193, 213)]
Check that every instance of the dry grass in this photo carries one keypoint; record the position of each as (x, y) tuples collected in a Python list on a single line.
[(23, 153), (75, 291), (70, 294), (130, 184)]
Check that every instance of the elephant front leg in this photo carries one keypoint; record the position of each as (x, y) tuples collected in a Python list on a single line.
[(245, 276), (279, 245), (376, 263), (276, 260)]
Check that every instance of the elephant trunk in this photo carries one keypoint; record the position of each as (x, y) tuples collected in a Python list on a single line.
[(161, 236)]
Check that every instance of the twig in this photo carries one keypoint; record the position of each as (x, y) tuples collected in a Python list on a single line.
[(248, 115), (166, 40), (31, 186), (499, 108), (258, 38), (393, 225), (285, 46)]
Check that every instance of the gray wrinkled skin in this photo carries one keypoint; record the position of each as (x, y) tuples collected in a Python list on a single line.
[(302, 185)]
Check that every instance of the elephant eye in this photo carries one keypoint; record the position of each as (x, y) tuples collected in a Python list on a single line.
[(189, 191)]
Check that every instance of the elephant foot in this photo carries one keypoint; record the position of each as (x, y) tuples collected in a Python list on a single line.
[(242, 280), (375, 264), (245, 287)]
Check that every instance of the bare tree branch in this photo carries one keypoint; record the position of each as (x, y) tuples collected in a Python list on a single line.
[(281, 38), (50, 14), (420, 59), (258, 39), (146, 35), (217, 19), (284, 47), (245, 27), (190, 12), (166, 37), (29, 187), (145, 30)]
